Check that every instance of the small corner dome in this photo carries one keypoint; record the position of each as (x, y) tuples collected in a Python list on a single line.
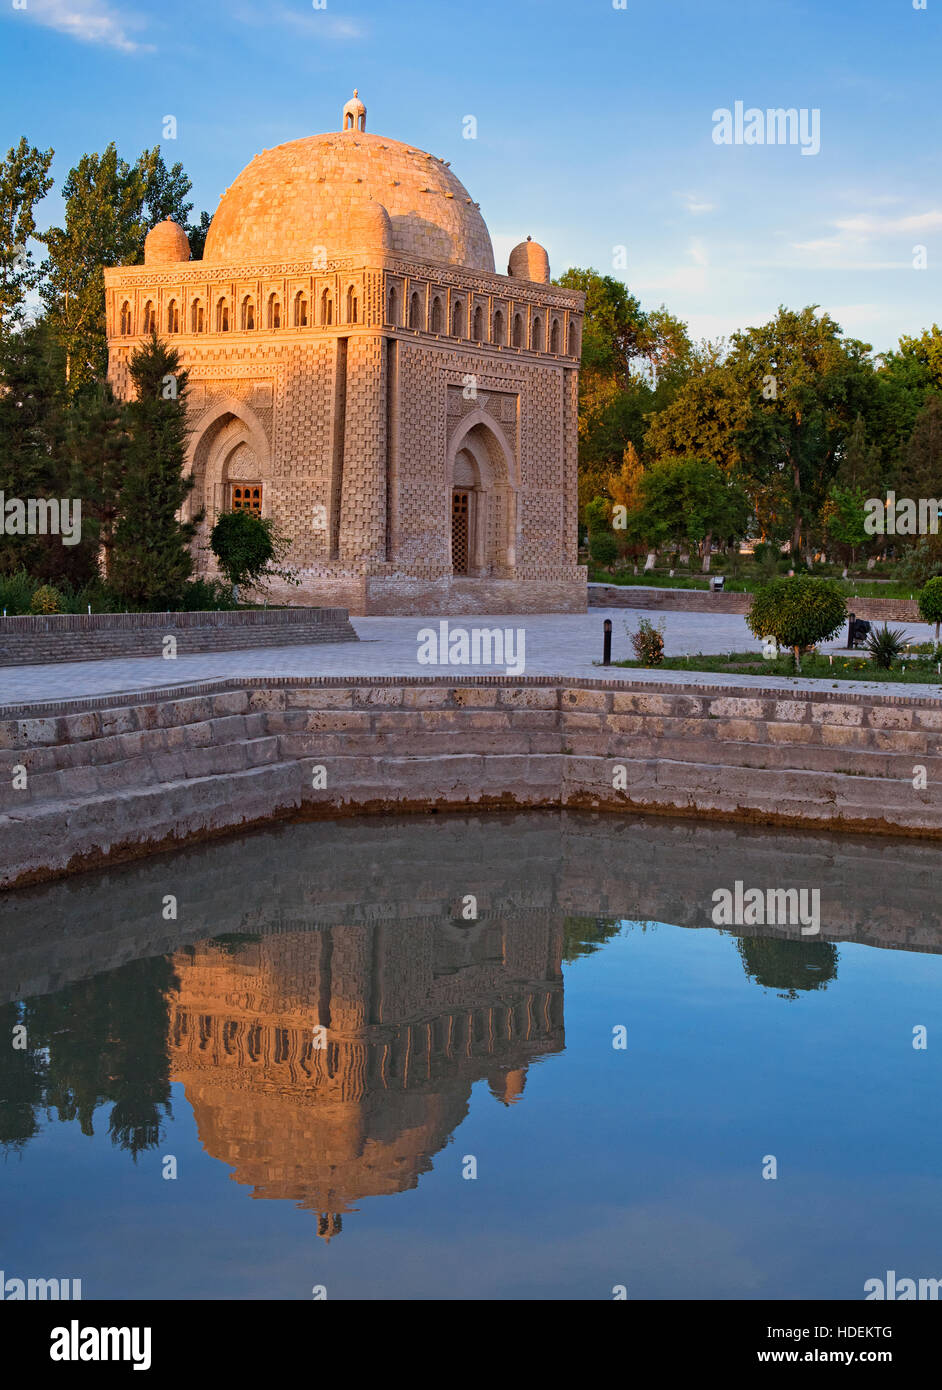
[(530, 261), (166, 244)]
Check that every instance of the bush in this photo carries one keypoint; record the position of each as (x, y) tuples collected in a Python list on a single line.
[(603, 549), (206, 596), (798, 612), (885, 644), (930, 603), (648, 642), (46, 599), (16, 592)]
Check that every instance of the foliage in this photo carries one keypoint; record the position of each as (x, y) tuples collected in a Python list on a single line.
[(885, 644), (798, 612), (110, 205), (603, 549), (46, 599), (921, 562), (24, 181), (245, 546), (648, 642), (843, 516), (689, 501), (930, 603), (151, 561)]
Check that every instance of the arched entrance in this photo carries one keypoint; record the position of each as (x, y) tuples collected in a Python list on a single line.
[(482, 490), (230, 463)]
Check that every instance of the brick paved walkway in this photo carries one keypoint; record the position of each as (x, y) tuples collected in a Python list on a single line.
[(565, 645)]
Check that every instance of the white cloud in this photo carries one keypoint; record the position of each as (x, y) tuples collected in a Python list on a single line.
[(695, 205), (318, 24), (89, 21)]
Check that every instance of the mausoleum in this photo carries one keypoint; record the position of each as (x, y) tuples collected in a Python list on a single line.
[(360, 373)]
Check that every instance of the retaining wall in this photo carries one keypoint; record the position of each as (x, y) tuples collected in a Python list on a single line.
[(703, 601), (119, 776), (28, 641)]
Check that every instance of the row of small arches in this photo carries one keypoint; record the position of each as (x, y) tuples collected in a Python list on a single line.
[(300, 313), (539, 339)]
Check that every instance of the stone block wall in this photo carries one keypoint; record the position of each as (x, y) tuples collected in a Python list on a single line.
[(118, 777)]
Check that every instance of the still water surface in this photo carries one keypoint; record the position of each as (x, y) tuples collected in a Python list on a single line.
[(324, 1045)]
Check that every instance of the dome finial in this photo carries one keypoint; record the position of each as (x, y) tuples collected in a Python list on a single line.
[(354, 113)]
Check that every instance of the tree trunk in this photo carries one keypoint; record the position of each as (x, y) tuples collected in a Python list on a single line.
[(707, 550), (797, 651)]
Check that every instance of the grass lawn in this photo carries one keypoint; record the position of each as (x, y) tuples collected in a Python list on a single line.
[(920, 670)]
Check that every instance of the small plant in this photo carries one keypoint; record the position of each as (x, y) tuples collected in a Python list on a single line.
[(249, 550), (603, 549), (46, 600), (648, 642), (886, 644), (930, 603)]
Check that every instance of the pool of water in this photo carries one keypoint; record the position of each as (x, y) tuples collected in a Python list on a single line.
[(475, 1057)]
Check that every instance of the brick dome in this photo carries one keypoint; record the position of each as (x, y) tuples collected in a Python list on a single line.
[(311, 198), (530, 261), (166, 244)]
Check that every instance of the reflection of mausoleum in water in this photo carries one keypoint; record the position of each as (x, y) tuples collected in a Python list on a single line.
[(415, 1013)]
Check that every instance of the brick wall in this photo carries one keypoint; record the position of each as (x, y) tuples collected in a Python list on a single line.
[(878, 610), (29, 640)]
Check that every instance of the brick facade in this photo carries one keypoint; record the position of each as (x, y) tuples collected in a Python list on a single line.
[(362, 383)]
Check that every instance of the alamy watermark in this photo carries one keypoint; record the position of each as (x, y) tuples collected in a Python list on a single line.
[(42, 516), (902, 516), (476, 646), (768, 907), (773, 126)]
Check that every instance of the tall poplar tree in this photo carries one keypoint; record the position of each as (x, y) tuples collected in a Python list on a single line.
[(24, 182), (150, 560)]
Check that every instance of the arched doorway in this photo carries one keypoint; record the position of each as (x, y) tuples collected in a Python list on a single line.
[(481, 475), (230, 462)]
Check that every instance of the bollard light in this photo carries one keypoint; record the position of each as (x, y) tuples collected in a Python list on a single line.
[(607, 642)]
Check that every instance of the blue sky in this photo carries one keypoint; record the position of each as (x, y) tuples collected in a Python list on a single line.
[(595, 126)]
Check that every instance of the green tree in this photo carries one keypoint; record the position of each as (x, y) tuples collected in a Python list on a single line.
[(151, 560), (97, 442), (110, 205), (24, 182), (806, 384), (798, 612), (105, 225), (930, 604), (689, 501), (32, 456), (843, 517)]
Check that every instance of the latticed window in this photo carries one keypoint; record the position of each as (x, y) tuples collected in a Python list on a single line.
[(300, 311), (150, 318), (173, 317), (460, 531), (436, 315), (222, 317), (274, 311), (125, 319), (554, 336), (518, 331), (248, 313), (498, 327), (247, 497), (196, 317)]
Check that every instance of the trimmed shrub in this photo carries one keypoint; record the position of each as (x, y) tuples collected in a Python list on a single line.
[(798, 612)]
